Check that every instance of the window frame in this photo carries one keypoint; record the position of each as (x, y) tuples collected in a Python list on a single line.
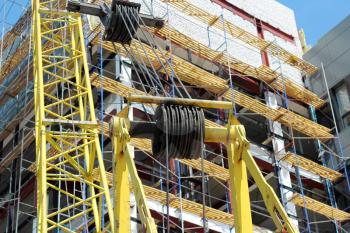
[(342, 116)]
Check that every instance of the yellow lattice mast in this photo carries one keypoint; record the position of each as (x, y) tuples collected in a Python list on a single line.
[(67, 144)]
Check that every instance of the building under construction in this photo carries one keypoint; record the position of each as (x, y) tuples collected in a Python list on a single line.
[(164, 116)]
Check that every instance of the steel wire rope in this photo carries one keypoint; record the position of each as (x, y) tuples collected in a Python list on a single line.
[(202, 198), (184, 186), (144, 65), (170, 65), (177, 162), (149, 61), (133, 86), (227, 194), (152, 87), (245, 46), (155, 53)]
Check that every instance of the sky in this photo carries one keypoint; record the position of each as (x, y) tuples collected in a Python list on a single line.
[(317, 17)]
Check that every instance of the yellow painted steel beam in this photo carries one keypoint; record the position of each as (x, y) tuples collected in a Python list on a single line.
[(121, 189), (72, 152), (238, 178), (240, 161), (241, 34), (124, 165)]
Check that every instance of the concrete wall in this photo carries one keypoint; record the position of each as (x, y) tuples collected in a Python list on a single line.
[(269, 11), (333, 50)]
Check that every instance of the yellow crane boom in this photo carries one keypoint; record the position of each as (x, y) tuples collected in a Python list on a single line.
[(65, 120)]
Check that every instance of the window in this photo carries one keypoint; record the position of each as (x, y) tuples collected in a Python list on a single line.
[(343, 101)]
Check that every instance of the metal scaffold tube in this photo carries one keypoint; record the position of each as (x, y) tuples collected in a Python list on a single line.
[(172, 77)]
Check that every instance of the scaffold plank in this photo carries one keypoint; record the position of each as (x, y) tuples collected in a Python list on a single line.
[(311, 166), (320, 208), (194, 75), (16, 30), (17, 85), (209, 168), (175, 202), (113, 86), (241, 34), (263, 73), (14, 60)]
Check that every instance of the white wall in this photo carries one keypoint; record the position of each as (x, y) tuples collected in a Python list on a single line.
[(269, 11)]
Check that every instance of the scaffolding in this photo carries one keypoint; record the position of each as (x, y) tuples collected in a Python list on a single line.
[(154, 67)]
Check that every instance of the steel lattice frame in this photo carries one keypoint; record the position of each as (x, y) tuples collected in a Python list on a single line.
[(66, 123)]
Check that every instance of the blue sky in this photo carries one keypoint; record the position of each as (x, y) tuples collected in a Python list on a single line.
[(317, 17)]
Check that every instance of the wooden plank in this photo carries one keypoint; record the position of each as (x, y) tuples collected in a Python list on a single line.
[(311, 166), (209, 168), (263, 73), (16, 30), (194, 75), (23, 49), (241, 34), (14, 60), (320, 208), (175, 202), (17, 85)]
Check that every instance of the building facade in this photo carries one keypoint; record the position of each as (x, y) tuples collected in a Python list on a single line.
[(246, 52)]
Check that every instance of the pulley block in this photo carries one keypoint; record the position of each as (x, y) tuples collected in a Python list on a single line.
[(122, 22), (179, 132)]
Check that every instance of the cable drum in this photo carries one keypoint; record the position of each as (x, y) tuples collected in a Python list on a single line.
[(183, 127), (123, 22)]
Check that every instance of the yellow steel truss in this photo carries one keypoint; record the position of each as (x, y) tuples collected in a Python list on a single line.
[(67, 144)]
